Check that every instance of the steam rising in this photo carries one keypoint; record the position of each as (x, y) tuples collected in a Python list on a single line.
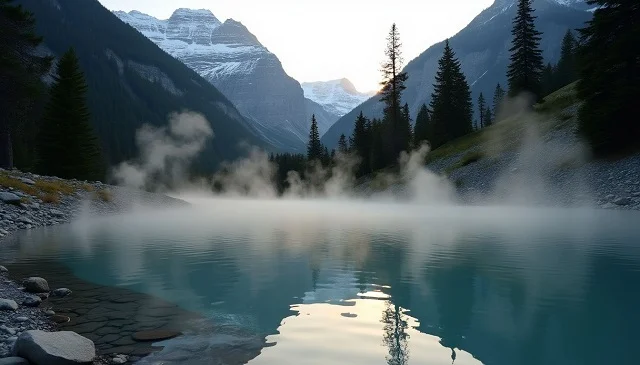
[(165, 153)]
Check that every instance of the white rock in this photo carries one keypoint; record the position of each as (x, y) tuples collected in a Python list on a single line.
[(55, 348), (8, 304)]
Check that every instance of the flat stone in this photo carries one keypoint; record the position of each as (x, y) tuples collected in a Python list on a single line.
[(56, 213), (55, 348), (7, 330), (27, 181), (32, 301), (58, 318), (155, 335), (36, 284), (21, 319), (50, 313), (14, 361), (8, 305), (61, 292), (9, 198)]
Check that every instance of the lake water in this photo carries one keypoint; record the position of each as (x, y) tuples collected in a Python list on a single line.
[(322, 282)]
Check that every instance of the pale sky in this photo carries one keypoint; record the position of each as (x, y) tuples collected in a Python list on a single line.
[(319, 40)]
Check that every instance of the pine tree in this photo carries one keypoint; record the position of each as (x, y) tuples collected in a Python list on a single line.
[(548, 80), (342, 144), (407, 132), (67, 145), (482, 108), (498, 97), (451, 105), (315, 150), (393, 84), (610, 76), (422, 130), (361, 143), (488, 117), (566, 71), (526, 56), (20, 70)]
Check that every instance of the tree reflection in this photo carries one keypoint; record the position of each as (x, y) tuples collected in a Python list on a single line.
[(395, 334)]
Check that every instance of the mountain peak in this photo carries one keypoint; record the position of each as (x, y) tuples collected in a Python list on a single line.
[(234, 32)]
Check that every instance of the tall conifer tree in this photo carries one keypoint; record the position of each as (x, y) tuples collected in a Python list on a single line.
[(451, 104), (498, 97), (315, 150), (67, 144), (482, 108), (566, 71), (342, 144), (397, 136), (422, 131), (609, 58), (20, 70), (526, 64)]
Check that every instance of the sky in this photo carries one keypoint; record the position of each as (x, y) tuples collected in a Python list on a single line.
[(323, 40)]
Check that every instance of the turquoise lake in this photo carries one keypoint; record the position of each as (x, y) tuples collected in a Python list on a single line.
[(324, 282)]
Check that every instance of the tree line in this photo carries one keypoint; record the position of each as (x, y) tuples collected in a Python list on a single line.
[(43, 128)]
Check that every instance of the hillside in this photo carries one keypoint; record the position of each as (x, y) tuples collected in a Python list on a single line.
[(482, 48), (133, 82)]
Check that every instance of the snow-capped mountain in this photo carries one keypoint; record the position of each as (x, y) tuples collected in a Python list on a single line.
[(483, 50), (337, 96), (233, 60)]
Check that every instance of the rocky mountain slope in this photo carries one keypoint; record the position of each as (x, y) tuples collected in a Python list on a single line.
[(229, 56), (483, 49), (131, 82)]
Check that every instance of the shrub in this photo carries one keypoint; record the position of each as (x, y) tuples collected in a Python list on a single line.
[(52, 198)]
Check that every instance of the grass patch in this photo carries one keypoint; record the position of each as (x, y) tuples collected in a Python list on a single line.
[(559, 99), (467, 159), (104, 195), (25, 200), (53, 187), (10, 182), (87, 187), (51, 198)]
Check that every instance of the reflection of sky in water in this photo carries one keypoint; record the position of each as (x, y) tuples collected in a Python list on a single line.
[(366, 283)]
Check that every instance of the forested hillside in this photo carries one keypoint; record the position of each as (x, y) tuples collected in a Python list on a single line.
[(132, 82)]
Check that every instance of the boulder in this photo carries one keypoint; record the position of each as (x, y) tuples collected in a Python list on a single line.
[(14, 361), (35, 285), (3, 269), (9, 198), (61, 292), (31, 301), (55, 348), (8, 305)]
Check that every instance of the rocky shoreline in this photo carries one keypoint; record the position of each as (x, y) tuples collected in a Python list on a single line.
[(29, 328)]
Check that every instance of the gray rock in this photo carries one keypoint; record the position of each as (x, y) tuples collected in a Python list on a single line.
[(32, 301), (7, 330), (14, 361), (2, 268), (8, 305), (22, 319), (25, 220), (43, 296), (610, 197), (119, 359), (56, 213), (36, 284), (608, 206), (55, 348), (61, 292), (50, 313), (27, 181), (622, 201), (9, 198)]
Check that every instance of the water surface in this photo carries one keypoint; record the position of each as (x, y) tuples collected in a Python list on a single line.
[(322, 282)]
